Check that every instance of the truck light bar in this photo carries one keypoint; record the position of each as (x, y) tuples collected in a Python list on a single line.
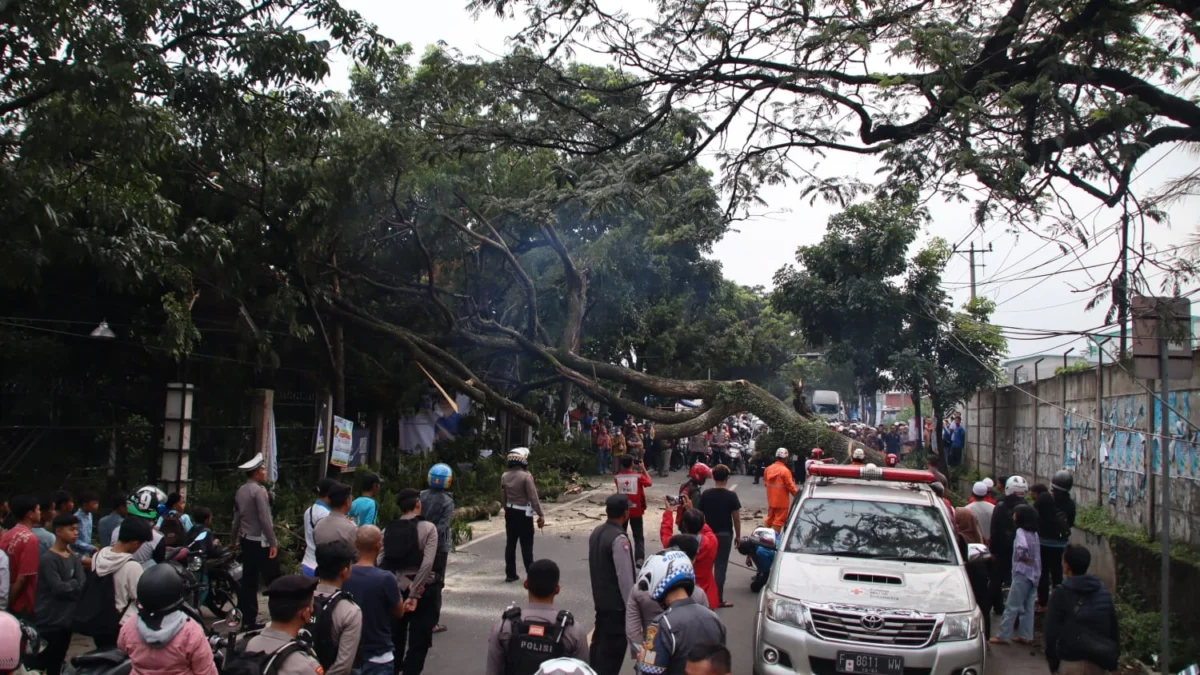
[(871, 472)]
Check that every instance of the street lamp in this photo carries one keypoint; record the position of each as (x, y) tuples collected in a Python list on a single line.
[(103, 331)]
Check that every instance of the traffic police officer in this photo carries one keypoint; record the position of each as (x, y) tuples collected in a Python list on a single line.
[(253, 528), (520, 499), (290, 604)]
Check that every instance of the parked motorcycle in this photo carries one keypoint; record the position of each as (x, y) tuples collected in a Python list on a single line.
[(736, 453), (224, 578)]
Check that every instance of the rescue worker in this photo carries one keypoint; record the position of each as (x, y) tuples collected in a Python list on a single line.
[(632, 479), (545, 632), (780, 490), (290, 605), (610, 564), (892, 460), (669, 578), (437, 506), (255, 531), (519, 496), (816, 456), (858, 457), (689, 492)]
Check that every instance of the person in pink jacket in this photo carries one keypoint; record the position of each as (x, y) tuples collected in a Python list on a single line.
[(164, 640)]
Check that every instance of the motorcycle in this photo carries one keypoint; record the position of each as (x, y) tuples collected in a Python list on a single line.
[(224, 579), (188, 561)]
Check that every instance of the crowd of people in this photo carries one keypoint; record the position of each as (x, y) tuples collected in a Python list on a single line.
[(369, 597)]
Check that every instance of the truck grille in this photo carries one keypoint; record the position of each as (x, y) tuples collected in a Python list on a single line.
[(848, 626)]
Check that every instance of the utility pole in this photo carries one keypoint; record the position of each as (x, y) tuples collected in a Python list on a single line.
[(1121, 292), (971, 259)]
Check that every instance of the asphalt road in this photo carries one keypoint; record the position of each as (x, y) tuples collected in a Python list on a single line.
[(476, 594)]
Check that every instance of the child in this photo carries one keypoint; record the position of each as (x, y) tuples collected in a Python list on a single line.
[(1026, 571)]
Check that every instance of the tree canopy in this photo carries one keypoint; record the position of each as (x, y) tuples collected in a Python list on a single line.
[(860, 296)]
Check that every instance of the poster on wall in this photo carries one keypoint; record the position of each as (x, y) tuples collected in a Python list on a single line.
[(343, 442)]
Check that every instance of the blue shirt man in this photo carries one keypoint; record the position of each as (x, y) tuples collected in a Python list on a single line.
[(364, 510)]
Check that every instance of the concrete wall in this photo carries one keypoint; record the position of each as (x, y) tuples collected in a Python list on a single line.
[(1098, 424)]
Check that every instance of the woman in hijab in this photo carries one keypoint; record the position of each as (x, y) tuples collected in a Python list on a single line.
[(968, 526)]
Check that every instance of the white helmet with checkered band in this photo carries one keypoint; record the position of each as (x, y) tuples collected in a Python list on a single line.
[(665, 571)]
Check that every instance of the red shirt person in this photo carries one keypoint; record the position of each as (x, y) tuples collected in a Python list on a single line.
[(20, 544), (692, 523), (632, 482)]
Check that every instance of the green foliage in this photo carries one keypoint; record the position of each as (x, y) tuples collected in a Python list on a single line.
[(1141, 635), (860, 297), (1099, 521), (1077, 367)]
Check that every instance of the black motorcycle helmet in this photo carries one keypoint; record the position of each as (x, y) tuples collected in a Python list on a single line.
[(159, 592), (1063, 480)]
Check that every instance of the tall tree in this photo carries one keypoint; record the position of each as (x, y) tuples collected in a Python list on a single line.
[(860, 297)]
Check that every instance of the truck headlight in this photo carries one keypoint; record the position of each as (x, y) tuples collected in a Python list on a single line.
[(961, 626), (786, 610)]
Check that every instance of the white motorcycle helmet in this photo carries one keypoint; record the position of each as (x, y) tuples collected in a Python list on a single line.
[(519, 456), (1016, 485), (764, 536), (859, 455), (664, 571), (781, 453), (564, 666)]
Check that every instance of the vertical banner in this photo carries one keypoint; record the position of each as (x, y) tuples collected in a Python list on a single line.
[(361, 448), (319, 440), (343, 442), (272, 447)]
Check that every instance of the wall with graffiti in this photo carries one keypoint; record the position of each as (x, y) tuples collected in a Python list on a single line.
[(1107, 441)]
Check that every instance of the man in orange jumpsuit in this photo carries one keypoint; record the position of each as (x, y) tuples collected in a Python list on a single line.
[(780, 489)]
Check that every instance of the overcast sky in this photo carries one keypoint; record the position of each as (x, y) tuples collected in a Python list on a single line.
[(760, 246)]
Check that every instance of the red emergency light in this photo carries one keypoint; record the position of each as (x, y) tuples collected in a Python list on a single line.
[(871, 472)]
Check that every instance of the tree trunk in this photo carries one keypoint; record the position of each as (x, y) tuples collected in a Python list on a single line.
[(917, 415)]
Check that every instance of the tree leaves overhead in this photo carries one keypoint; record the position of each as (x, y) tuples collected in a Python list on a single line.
[(1024, 97)]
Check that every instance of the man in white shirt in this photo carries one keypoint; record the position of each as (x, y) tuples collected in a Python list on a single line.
[(313, 515)]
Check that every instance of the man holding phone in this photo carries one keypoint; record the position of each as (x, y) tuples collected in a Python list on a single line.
[(632, 481)]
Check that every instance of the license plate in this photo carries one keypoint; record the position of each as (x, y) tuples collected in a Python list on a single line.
[(869, 664)]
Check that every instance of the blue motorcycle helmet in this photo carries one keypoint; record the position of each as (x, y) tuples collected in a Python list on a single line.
[(440, 476)]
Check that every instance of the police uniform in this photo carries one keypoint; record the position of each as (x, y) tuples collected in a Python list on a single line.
[(270, 640), (574, 639), (520, 505), (252, 523), (610, 566)]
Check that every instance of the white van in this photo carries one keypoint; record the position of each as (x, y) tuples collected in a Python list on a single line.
[(827, 404)]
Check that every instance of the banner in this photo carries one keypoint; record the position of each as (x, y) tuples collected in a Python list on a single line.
[(362, 447), (272, 446), (343, 442)]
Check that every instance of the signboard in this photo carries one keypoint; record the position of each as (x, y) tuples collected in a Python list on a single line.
[(343, 442), (362, 447), (1150, 317)]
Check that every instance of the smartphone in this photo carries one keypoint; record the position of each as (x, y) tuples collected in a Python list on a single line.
[(673, 501)]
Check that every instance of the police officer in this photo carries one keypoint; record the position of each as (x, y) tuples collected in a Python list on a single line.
[(610, 562), (520, 498), (290, 604), (542, 631), (252, 523), (669, 578)]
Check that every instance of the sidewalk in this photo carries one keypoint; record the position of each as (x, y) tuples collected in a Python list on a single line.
[(1016, 660)]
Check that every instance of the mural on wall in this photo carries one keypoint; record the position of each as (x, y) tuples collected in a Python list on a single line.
[(1183, 455), (1077, 432), (1122, 452)]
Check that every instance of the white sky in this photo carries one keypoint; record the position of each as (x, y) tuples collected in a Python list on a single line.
[(758, 247)]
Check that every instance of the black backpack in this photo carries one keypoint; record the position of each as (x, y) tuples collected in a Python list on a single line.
[(321, 626), (534, 641), (172, 530), (401, 545), (96, 613), (242, 662)]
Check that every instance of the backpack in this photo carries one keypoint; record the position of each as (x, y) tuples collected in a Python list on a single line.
[(401, 546), (534, 641), (321, 626), (172, 530), (96, 613), (242, 662)]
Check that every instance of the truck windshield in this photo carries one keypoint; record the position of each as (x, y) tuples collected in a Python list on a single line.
[(863, 529), (827, 409)]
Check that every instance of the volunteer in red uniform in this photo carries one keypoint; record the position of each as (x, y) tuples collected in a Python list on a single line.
[(780, 490), (632, 481)]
